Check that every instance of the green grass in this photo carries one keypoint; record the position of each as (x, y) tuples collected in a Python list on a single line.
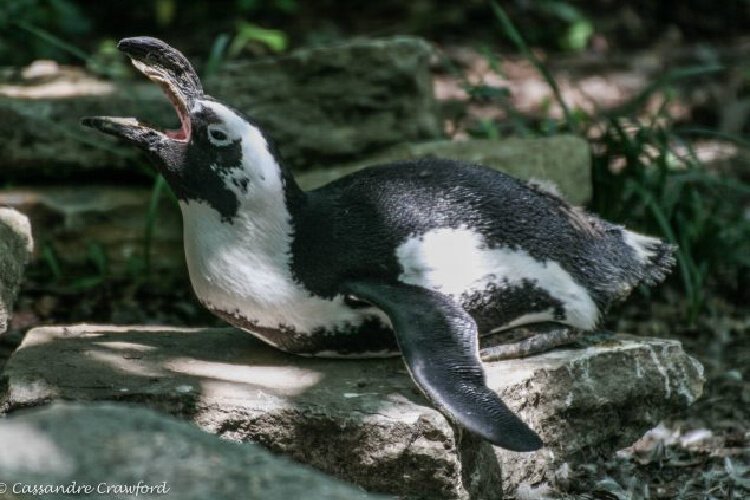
[(515, 36), (660, 191), (640, 179)]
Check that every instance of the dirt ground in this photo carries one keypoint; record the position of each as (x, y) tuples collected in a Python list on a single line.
[(702, 452)]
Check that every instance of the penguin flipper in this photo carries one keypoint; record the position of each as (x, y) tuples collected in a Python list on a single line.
[(438, 341)]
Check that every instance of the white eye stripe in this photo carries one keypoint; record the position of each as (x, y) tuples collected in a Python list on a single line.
[(218, 135)]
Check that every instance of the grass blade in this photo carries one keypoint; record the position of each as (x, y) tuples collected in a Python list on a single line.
[(514, 35), (153, 208)]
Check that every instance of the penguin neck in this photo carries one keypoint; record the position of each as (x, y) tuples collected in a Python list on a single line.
[(294, 197), (246, 260), (271, 197), (270, 181)]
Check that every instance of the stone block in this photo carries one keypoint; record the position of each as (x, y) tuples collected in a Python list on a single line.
[(563, 160), (364, 421), (106, 450), (16, 245), (108, 223)]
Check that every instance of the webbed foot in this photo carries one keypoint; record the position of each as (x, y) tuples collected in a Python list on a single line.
[(535, 339)]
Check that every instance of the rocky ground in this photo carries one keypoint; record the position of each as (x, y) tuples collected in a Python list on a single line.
[(363, 421), (115, 451), (701, 452)]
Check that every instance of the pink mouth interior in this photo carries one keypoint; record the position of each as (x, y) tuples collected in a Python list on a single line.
[(182, 133), (178, 134)]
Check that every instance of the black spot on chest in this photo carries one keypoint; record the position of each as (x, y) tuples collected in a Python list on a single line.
[(241, 182), (207, 168)]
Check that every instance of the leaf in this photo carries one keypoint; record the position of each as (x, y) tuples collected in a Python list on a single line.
[(50, 258), (275, 40), (578, 35), (98, 257), (164, 12), (215, 58)]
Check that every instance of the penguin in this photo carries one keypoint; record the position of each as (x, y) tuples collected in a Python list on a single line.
[(431, 259)]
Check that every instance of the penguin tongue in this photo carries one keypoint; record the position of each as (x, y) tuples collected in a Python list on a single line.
[(176, 134)]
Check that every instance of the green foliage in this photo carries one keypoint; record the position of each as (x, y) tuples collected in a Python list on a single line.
[(164, 11), (647, 176), (510, 30), (95, 272), (52, 261), (216, 56), (108, 61), (59, 27), (18, 16), (105, 61), (578, 28), (578, 34), (247, 34), (160, 186), (252, 33)]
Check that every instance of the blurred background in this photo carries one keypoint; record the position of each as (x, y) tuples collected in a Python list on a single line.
[(659, 90)]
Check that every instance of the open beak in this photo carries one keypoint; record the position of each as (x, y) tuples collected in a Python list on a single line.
[(174, 73)]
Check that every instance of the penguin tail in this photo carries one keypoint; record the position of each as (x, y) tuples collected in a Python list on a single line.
[(655, 256)]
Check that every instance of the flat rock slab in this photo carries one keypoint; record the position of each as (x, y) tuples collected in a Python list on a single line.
[(363, 421), (73, 220), (563, 160), (16, 245), (106, 450)]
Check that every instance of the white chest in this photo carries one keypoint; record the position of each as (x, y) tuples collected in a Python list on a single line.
[(243, 269)]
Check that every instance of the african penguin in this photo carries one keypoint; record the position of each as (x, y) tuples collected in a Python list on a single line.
[(425, 257)]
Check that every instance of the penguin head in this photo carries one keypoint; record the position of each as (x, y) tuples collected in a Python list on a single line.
[(217, 156)]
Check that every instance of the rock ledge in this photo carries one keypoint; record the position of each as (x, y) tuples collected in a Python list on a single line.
[(16, 245), (363, 421)]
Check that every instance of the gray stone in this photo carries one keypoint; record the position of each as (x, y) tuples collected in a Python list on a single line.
[(591, 402), (325, 104), (563, 160), (364, 421), (75, 222), (62, 149), (120, 447), (319, 105), (16, 245)]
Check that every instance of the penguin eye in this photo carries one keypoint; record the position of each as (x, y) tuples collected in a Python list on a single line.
[(218, 135)]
